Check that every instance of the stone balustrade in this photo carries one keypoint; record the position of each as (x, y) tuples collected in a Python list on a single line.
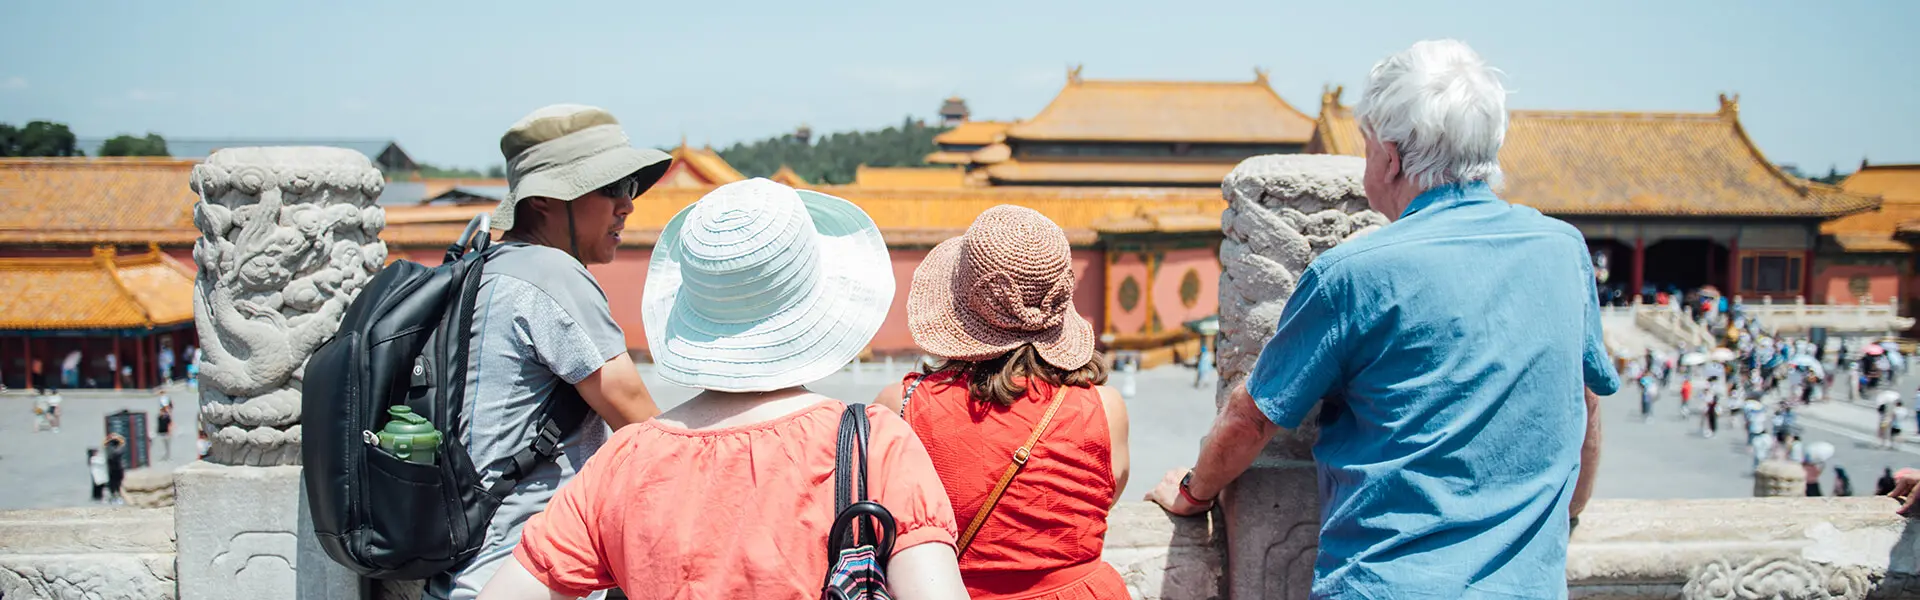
[(1673, 327), (1798, 316), (106, 553)]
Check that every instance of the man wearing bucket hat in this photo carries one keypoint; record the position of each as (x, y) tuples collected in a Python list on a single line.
[(754, 292), (542, 322)]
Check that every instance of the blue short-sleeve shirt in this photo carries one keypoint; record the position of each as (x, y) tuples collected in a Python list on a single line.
[(1452, 349)]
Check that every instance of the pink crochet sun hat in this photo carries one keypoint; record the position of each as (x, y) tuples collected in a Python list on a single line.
[(1007, 282)]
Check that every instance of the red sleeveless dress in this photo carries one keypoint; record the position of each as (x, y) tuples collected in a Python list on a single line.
[(1044, 539)]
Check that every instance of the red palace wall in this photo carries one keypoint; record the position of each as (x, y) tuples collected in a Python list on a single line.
[(1203, 264), (1835, 283)]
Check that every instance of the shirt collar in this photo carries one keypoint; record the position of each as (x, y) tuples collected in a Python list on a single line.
[(1447, 195)]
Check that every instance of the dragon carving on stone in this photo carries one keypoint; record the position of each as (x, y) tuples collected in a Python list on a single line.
[(289, 235)]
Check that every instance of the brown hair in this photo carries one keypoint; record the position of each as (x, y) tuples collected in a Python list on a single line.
[(1002, 379)]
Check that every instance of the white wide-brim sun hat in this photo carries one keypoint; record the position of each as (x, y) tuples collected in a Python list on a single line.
[(759, 287)]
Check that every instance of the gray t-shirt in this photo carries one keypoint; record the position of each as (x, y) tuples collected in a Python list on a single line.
[(541, 321)]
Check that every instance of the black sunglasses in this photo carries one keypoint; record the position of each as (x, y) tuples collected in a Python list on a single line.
[(626, 188)]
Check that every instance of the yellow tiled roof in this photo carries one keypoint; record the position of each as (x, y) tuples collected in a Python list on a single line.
[(974, 133), (909, 177), (1875, 231), (101, 292), (433, 188), (96, 200), (785, 176), (1167, 111), (944, 157), (1335, 131), (1165, 173), (1638, 163), (698, 167), (1894, 183)]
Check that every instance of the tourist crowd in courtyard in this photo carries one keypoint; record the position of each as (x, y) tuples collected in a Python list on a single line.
[(1757, 379)]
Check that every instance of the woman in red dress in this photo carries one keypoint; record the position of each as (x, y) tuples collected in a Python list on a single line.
[(1031, 447)]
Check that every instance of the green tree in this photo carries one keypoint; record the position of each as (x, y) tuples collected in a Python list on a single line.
[(497, 172), (127, 145), (38, 138), (834, 157)]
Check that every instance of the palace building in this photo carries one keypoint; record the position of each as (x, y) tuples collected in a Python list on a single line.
[(96, 255), (1674, 200), (1130, 133)]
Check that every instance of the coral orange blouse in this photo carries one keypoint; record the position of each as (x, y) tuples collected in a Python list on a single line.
[(740, 512)]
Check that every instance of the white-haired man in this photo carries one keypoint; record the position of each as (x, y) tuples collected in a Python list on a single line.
[(1450, 450)]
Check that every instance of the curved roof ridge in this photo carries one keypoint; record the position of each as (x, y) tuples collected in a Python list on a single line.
[(1612, 114), (109, 261), (95, 161)]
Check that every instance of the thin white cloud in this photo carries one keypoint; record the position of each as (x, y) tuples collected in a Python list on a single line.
[(14, 83)]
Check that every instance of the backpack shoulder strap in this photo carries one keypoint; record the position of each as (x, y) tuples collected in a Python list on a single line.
[(1020, 457), (559, 416)]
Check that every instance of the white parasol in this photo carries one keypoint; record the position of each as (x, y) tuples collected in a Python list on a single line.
[(1693, 359), (1886, 397), (1819, 453), (1722, 355)]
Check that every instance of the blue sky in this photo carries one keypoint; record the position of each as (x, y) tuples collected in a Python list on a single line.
[(1821, 84)]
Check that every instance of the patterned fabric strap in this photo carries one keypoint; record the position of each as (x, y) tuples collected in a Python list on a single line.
[(907, 398), (1020, 457)]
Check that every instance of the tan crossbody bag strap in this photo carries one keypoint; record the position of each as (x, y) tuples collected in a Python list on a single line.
[(1020, 457)]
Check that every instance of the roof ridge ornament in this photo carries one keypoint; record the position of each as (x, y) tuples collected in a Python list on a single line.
[(1260, 76), (1073, 73), (1729, 105), (1330, 96)]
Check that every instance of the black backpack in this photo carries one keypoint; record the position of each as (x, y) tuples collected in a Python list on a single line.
[(404, 341)]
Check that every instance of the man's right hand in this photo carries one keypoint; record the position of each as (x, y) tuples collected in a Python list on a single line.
[(1905, 483), (1167, 495)]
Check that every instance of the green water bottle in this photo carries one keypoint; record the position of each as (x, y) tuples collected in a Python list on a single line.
[(409, 436)]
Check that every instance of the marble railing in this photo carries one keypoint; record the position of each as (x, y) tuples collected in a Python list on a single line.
[(1624, 549)]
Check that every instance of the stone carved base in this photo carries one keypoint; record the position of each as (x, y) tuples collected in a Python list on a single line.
[(87, 553), (1162, 557), (1777, 577), (148, 488), (1779, 479), (1272, 520), (237, 530), (102, 577)]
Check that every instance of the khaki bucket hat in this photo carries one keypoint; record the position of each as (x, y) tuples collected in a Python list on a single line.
[(566, 151)]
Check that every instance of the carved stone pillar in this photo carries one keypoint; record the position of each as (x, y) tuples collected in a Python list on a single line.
[(289, 236), (1779, 479), (1282, 212)]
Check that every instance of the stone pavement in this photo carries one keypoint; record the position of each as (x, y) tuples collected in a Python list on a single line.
[(48, 469)]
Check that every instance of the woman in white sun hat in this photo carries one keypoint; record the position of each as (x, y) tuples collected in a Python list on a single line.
[(754, 292)]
